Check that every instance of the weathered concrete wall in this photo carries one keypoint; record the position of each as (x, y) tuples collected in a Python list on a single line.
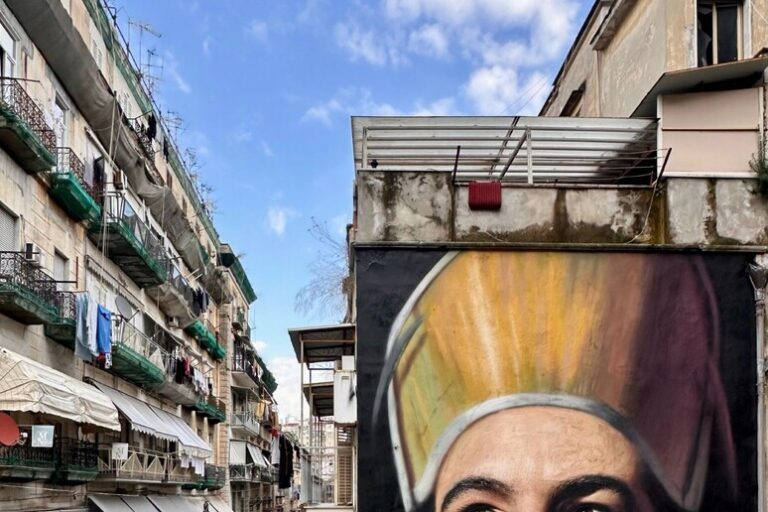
[(682, 211), (404, 206), (634, 60)]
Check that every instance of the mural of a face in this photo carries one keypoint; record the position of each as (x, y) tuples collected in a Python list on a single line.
[(558, 382)]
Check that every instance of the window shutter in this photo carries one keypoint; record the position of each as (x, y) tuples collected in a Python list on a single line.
[(7, 232)]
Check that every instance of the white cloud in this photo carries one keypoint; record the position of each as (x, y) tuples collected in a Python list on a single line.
[(359, 101), (171, 65), (498, 90), (207, 46), (266, 149), (259, 345), (368, 45), (278, 217), (288, 394), (258, 29), (429, 40)]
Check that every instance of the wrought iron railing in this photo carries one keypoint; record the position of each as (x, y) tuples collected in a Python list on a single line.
[(126, 335), (179, 282), (119, 210), (215, 475), (217, 403), (68, 161), (243, 361), (25, 455), (14, 98), (178, 473), (77, 453), (16, 270), (66, 303), (140, 132)]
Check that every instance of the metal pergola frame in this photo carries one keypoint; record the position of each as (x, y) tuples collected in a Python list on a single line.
[(513, 149)]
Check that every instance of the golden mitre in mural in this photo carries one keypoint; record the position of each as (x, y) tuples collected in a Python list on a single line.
[(630, 338)]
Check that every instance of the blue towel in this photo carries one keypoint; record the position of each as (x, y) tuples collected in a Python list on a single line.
[(104, 334)]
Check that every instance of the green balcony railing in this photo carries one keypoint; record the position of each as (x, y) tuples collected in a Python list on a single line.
[(207, 339), (62, 329), (136, 357), (27, 294), (24, 133), (130, 243), (76, 461), (213, 408), (71, 189), (22, 462)]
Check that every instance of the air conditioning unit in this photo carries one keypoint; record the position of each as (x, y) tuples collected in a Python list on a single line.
[(33, 254), (118, 179)]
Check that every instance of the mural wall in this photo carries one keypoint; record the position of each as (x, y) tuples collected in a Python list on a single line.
[(555, 381)]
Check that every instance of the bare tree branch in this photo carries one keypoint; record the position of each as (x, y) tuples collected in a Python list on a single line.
[(324, 294)]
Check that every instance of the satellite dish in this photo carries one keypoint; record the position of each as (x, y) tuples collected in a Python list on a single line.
[(124, 307), (9, 430)]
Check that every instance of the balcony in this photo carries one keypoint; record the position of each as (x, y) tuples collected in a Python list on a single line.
[(76, 462), (206, 338), (228, 259), (140, 466), (245, 422), (70, 188), (213, 408), (179, 475), (240, 472), (24, 133), (62, 330), (214, 479), (137, 358), (176, 297), (245, 368), (27, 294), (24, 463), (182, 393), (130, 244)]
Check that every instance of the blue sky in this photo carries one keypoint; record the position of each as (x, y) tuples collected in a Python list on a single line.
[(266, 88)]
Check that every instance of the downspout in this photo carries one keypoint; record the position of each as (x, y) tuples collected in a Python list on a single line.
[(758, 276)]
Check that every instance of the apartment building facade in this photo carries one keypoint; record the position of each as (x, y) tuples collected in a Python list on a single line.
[(514, 276), (120, 308)]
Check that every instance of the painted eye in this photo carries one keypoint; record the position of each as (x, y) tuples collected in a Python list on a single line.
[(591, 508), (479, 507)]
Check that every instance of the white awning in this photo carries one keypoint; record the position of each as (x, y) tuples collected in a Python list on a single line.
[(237, 452), (26, 385), (140, 414), (256, 456), (109, 503), (153, 421)]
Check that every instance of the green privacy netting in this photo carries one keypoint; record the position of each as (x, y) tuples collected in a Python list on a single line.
[(43, 160), (22, 303), (70, 194), (206, 339), (134, 367)]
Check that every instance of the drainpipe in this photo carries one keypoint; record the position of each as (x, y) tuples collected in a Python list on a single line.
[(758, 276)]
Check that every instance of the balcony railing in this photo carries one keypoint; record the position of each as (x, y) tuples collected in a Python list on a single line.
[(241, 472), (26, 292), (176, 297), (244, 362), (136, 357), (26, 134), (213, 408), (71, 188), (214, 479), (139, 465), (131, 243), (76, 461), (62, 329), (246, 420)]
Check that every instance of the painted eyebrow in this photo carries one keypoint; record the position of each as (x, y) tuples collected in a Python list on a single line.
[(590, 484), (475, 483)]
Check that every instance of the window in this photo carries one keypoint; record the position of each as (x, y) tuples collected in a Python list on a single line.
[(61, 121), (61, 269), (7, 53), (718, 31), (8, 240)]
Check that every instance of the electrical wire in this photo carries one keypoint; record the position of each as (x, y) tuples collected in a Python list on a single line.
[(540, 83)]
